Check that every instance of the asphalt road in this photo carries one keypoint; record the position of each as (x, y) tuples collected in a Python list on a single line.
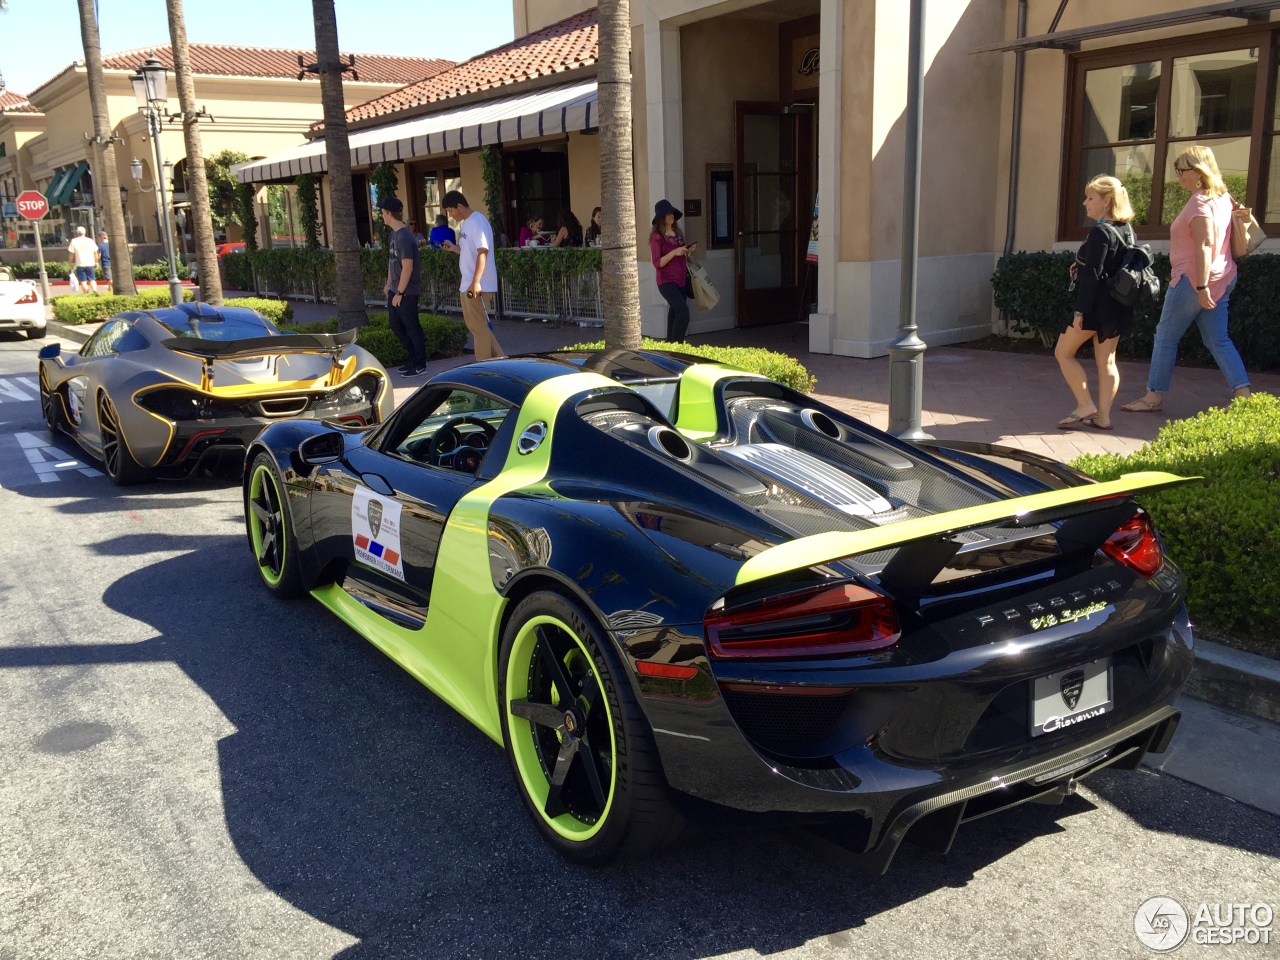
[(189, 768)]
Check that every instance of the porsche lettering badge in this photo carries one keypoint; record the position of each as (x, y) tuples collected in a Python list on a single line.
[(375, 532)]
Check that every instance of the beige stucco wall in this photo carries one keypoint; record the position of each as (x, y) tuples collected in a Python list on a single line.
[(584, 176), (531, 15), (712, 53)]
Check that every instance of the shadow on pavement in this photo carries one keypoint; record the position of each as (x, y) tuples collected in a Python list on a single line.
[(358, 797)]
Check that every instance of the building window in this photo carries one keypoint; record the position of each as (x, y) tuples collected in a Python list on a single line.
[(1134, 110)]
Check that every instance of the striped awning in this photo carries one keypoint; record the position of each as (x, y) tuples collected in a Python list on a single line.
[(549, 112)]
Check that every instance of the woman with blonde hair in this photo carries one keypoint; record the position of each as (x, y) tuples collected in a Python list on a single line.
[(1202, 276), (1098, 316)]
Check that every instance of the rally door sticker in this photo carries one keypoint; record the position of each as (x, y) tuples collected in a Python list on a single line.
[(375, 531)]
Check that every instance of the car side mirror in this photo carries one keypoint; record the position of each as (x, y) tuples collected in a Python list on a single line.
[(50, 351), (323, 448)]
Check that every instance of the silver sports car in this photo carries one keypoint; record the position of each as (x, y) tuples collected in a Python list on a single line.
[(170, 390)]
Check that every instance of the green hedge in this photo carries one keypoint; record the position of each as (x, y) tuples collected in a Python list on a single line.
[(299, 268), (277, 311), (775, 366), (444, 337), (58, 270), (1225, 533), (76, 308), (1030, 289)]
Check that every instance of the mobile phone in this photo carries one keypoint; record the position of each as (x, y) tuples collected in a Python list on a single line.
[(692, 245)]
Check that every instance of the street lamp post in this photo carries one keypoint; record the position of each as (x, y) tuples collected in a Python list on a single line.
[(906, 356), (150, 89)]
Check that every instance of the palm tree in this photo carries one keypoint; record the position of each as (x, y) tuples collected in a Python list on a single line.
[(197, 179), (346, 247), (621, 282), (106, 176)]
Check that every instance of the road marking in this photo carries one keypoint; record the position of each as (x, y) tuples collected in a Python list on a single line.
[(38, 449), (13, 389)]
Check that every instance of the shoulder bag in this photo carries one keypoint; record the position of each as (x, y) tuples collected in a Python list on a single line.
[(1246, 234)]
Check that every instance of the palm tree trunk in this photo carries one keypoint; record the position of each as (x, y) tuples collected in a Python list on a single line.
[(106, 176), (346, 247), (197, 181), (621, 284)]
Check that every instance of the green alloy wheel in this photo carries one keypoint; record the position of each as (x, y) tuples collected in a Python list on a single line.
[(116, 457), (579, 746), (271, 539)]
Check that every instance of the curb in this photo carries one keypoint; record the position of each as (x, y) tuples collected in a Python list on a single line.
[(67, 331), (1239, 681)]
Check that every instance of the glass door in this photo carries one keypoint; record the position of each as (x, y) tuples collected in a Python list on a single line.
[(769, 212)]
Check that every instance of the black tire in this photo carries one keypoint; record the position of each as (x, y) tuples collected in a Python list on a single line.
[(616, 806), (269, 529), (50, 404), (37, 333), (123, 470)]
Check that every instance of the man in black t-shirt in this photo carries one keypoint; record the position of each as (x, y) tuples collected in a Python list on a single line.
[(403, 287)]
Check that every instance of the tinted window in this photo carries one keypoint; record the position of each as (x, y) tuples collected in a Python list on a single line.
[(236, 327), (103, 342)]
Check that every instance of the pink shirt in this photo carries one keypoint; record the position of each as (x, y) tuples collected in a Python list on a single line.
[(659, 246), (1182, 245)]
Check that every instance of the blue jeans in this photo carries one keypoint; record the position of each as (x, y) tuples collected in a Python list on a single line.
[(1180, 308)]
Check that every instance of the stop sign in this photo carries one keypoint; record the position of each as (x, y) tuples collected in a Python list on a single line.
[(32, 204)]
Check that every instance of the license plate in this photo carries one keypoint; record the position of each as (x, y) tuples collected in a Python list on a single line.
[(1069, 697)]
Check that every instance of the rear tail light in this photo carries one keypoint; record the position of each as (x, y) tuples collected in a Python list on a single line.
[(1136, 545), (28, 297), (819, 622)]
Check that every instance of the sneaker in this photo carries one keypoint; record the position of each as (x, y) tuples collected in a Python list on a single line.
[(404, 369), (414, 371)]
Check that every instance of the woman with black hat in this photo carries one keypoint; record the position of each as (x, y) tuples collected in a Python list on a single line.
[(669, 251)]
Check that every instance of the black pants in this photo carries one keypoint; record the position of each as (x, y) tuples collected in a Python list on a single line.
[(678, 315), (403, 321)]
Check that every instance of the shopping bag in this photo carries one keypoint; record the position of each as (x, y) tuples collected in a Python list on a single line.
[(704, 292)]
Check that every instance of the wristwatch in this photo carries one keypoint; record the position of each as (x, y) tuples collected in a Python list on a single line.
[(1205, 287)]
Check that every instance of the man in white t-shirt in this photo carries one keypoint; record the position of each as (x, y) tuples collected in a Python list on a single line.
[(479, 272), (82, 258)]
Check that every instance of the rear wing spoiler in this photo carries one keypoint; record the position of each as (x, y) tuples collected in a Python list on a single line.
[(1088, 514), (209, 351), (324, 343)]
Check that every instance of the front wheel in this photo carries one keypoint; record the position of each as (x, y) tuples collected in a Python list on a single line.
[(270, 530), (50, 404), (578, 744)]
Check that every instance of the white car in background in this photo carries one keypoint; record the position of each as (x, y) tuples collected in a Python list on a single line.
[(22, 307)]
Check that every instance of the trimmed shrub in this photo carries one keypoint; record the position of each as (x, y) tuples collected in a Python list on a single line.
[(769, 363), (158, 270), (237, 269), (443, 336), (77, 308), (1030, 289), (1224, 533), (277, 311)]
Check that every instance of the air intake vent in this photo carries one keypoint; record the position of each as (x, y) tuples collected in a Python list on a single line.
[(815, 477), (283, 406)]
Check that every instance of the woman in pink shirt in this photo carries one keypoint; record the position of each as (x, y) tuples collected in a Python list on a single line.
[(1202, 277), (667, 247)]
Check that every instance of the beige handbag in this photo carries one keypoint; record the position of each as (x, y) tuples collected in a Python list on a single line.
[(705, 295), (1246, 235)]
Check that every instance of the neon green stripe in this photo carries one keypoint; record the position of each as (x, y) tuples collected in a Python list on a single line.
[(455, 653), (826, 547), (696, 414)]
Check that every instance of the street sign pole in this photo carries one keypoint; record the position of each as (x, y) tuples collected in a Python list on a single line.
[(33, 206)]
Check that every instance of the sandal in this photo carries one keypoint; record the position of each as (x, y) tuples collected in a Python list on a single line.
[(1074, 422), (1141, 405), (1098, 426)]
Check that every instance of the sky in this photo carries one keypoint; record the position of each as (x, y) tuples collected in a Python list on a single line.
[(38, 38)]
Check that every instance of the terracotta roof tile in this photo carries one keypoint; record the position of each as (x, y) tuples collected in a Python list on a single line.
[(11, 102), (215, 59), (568, 45)]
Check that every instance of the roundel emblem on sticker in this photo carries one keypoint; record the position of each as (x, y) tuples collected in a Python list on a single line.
[(532, 438), (375, 517)]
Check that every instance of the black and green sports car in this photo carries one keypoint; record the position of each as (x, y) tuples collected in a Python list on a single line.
[(674, 590), (169, 391)]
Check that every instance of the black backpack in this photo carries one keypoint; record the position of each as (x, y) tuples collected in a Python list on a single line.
[(1133, 282)]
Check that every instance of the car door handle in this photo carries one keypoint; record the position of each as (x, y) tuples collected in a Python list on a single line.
[(377, 484)]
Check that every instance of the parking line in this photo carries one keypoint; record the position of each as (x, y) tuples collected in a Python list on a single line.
[(15, 391)]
